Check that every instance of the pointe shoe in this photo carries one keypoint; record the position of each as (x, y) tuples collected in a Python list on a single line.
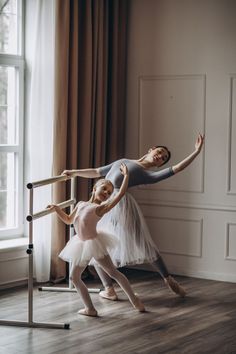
[(174, 286), (109, 294), (87, 312), (138, 305)]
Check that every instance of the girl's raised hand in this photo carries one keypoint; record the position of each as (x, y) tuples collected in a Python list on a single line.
[(51, 206), (199, 142), (124, 169)]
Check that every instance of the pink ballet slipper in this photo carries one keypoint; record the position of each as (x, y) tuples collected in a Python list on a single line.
[(87, 312), (109, 293)]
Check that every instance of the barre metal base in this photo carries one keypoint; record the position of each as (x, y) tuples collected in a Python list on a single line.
[(69, 290), (35, 324)]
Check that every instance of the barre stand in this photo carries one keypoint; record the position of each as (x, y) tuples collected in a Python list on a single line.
[(30, 322), (30, 218)]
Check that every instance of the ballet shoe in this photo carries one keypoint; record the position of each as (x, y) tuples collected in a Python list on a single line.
[(174, 286), (87, 312), (138, 305), (109, 293)]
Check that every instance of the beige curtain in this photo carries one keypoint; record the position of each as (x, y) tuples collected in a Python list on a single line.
[(90, 96)]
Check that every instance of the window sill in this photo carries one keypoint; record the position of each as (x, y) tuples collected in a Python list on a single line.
[(20, 242)]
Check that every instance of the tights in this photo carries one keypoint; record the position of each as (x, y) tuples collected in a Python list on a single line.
[(158, 266), (110, 270)]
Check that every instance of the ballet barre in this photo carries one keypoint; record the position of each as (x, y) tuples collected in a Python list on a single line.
[(30, 218)]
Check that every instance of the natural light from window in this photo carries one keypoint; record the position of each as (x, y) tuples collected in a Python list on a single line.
[(11, 108)]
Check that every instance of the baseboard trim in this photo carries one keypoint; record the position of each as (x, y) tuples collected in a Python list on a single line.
[(14, 284), (226, 277)]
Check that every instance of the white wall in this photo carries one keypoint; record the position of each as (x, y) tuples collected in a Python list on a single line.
[(181, 81)]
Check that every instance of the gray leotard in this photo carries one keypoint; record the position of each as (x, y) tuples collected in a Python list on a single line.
[(137, 174)]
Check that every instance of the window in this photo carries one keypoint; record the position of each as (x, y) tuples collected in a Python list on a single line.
[(11, 118)]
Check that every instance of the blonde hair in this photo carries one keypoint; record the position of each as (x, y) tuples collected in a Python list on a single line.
[(100, 182)]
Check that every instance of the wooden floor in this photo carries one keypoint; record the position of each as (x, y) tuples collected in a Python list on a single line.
[(203, 322)]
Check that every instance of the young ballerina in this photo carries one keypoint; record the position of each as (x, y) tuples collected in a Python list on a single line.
[(126, 220), (89, 244)]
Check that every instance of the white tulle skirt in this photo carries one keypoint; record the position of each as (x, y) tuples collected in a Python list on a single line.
[(127, 223), (83, 253)]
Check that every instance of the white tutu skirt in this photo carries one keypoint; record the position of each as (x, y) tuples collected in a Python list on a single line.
[(81, 252), (127, 223)]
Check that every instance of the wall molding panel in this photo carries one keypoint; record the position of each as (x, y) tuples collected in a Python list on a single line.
[(230, 242), (231, 171), (174, 204), (170, 105), (178, 236)]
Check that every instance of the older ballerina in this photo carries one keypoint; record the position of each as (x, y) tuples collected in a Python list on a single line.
[(126, 220)]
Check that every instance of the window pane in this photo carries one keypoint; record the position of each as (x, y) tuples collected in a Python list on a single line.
[(8, 27), (7, 190), (8, 104)]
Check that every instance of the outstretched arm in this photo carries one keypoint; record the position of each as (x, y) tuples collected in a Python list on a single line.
[(67, 219), (107, 206), (187, 161), (86, 173), (89, 172)]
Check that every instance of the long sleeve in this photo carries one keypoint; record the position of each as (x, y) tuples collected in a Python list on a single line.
[(154, 177)]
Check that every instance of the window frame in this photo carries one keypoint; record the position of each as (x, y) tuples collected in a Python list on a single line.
[(17, 61)]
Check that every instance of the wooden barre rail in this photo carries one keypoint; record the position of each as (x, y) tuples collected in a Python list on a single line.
[(49, 211), (46, 181)]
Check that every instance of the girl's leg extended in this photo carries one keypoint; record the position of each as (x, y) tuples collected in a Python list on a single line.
[(75, 276), (110, 269)]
